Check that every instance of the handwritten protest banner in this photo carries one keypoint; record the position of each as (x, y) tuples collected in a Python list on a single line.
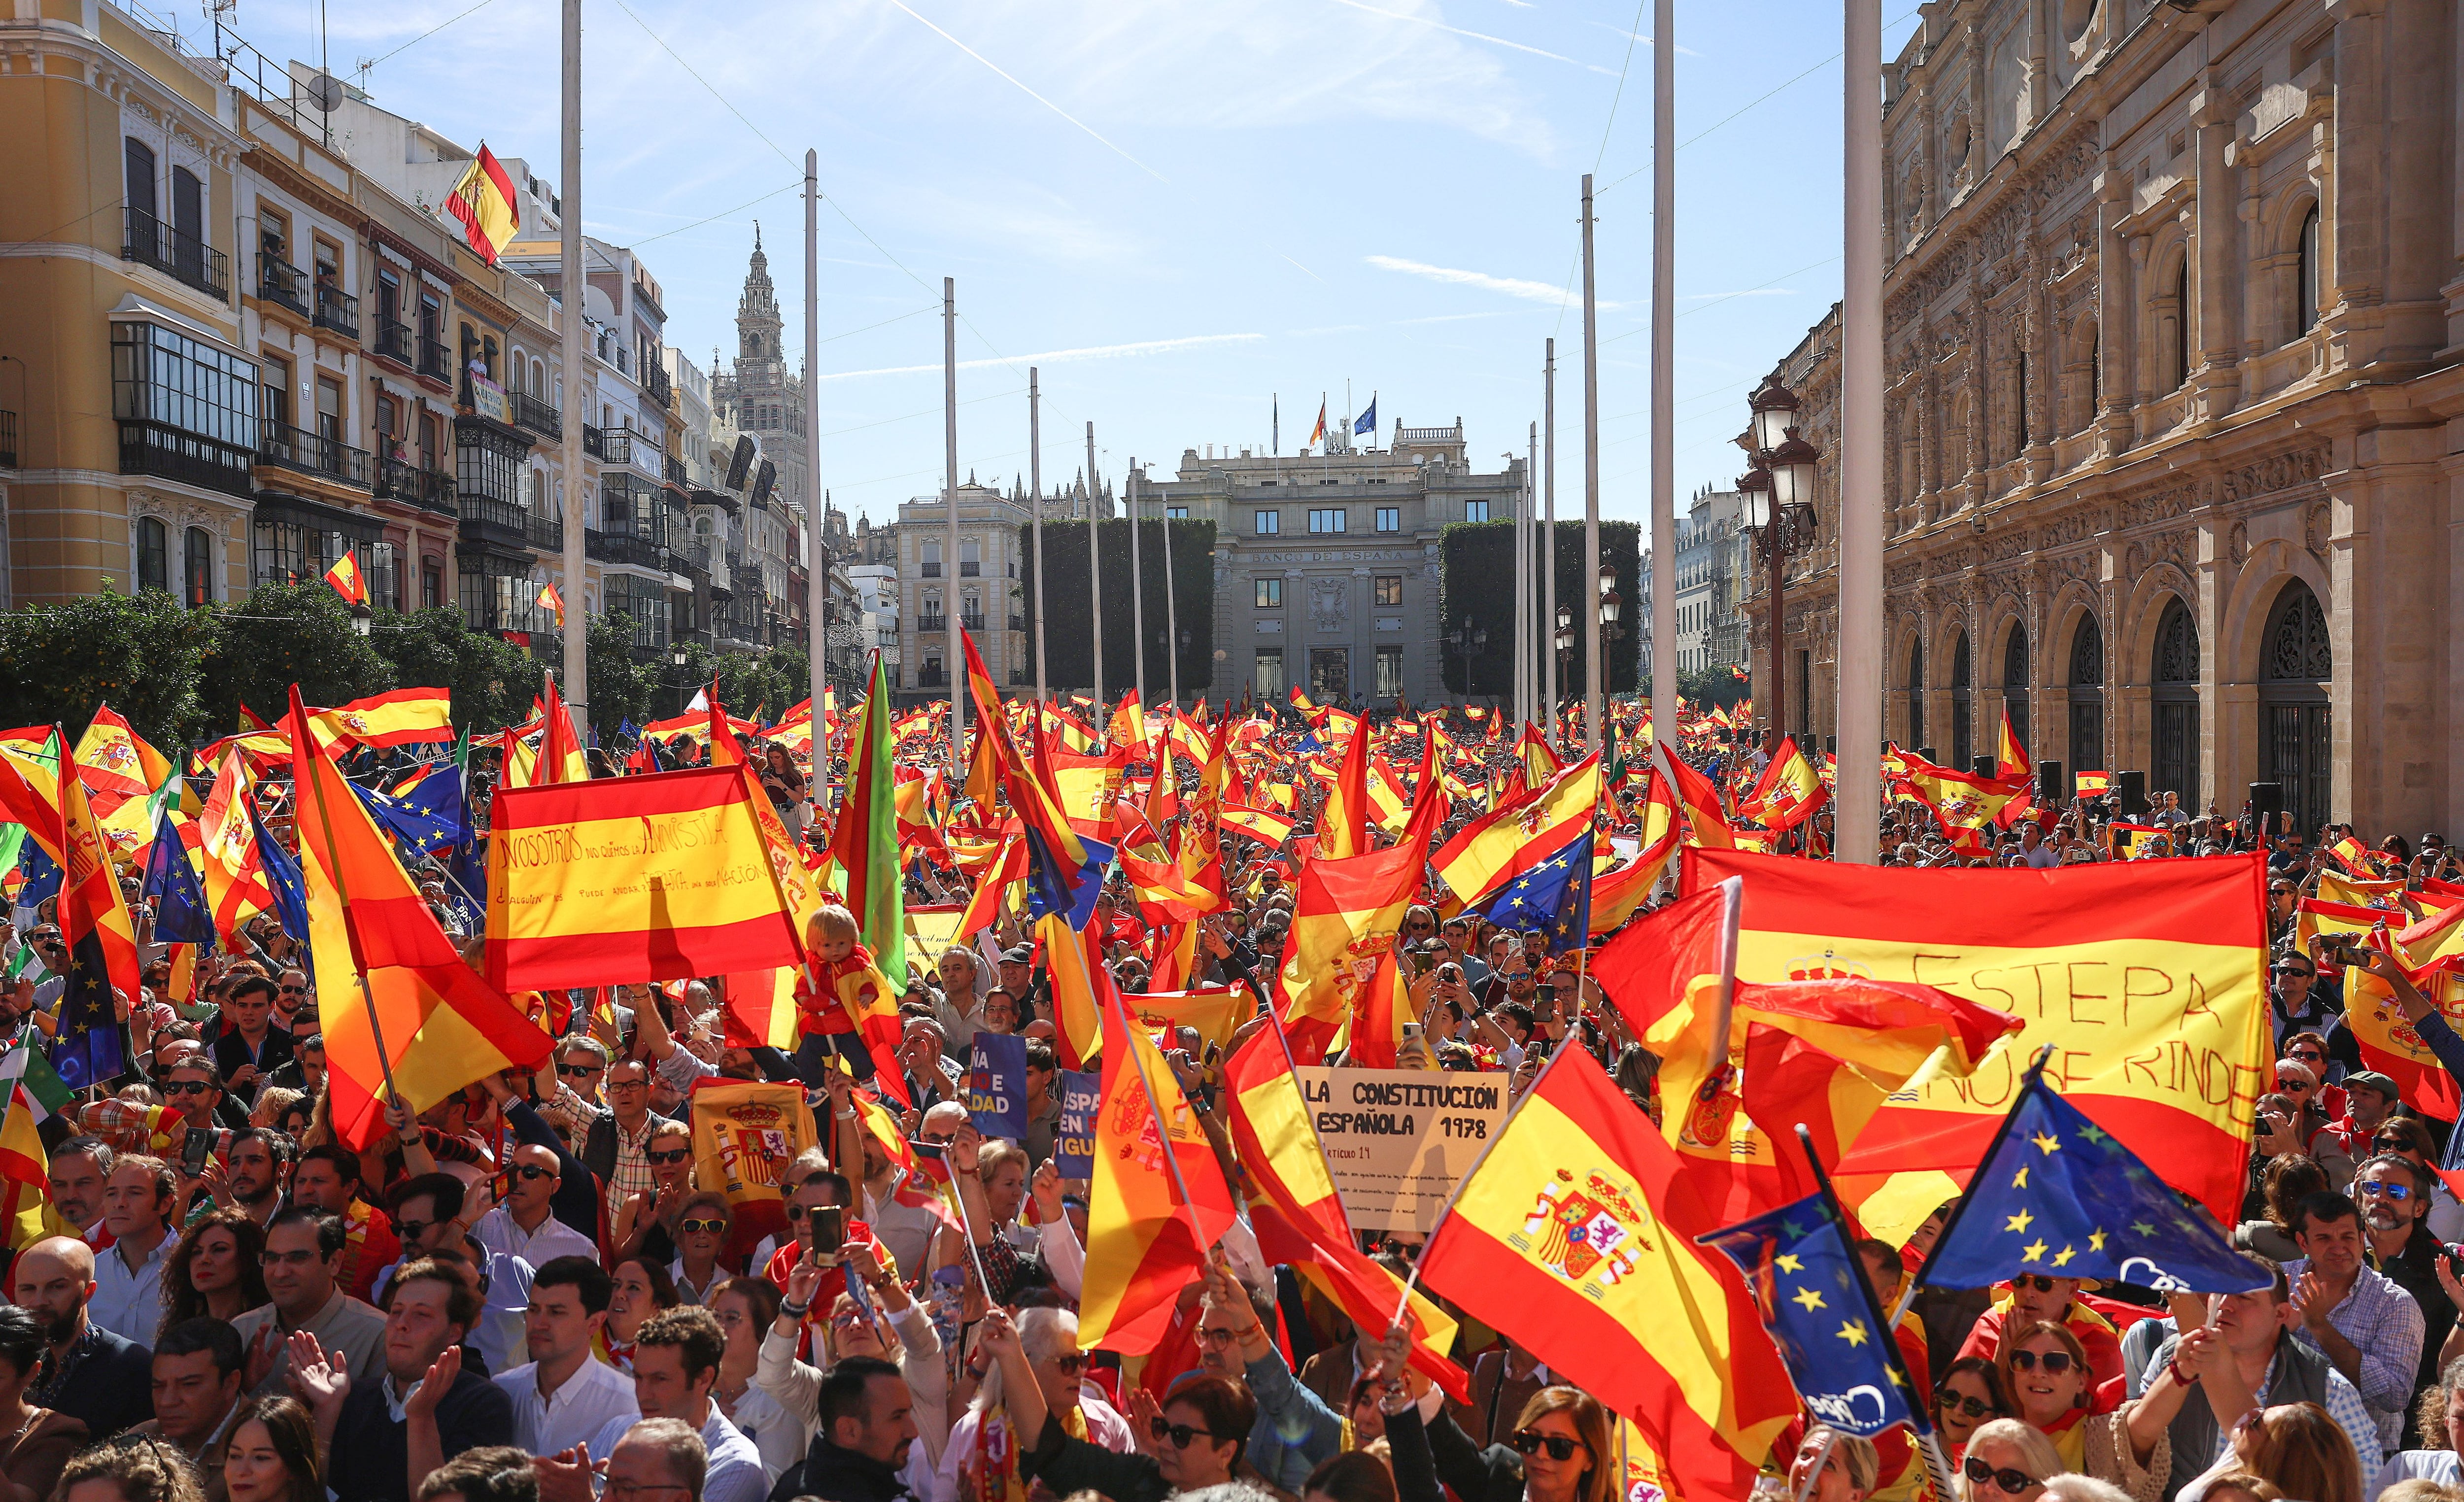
[(1399, 1139)]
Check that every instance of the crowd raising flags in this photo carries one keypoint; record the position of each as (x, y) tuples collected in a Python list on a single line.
[(1461, 1048)]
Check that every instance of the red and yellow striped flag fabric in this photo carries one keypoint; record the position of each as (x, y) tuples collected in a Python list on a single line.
[(1343, 819), (1498, 846), (234, 875), (1707, 820), (1259, 824), (1574, 1238), (26, 1212), (1788, 792), (402, 717), (657, 877), (1345, 913), (2011, 763), (483, 202), (2147, 980), (1145, 1240), (1300, 1220), (384, 968), (344, 577), (1617, 896)]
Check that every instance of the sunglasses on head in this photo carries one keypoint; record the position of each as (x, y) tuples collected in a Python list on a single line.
[(2055, 1363), (697, 1226), (2394, 1191), (1181, 1434), (1530, 1441), (2008, 1479), (1968, 1407)]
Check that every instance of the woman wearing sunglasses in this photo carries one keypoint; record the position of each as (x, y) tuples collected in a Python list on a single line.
[(1971, 1393), (703, 1225), (1196, 1441), (2008, 1459), (2045, 1368), (1560, 1448), (980, 1463)]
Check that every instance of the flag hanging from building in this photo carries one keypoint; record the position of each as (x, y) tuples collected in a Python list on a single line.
[(344, 577), (484, 201)]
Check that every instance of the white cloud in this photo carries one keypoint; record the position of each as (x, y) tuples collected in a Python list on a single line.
[(1749, 291), (1063, 356), (1511, 286)]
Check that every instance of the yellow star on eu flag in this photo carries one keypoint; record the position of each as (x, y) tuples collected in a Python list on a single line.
[(1807, 1297), (1789, 1262), (2046, 1143), (2064, 1256), (2019, 1221), (1853, 1331), (2096, 1240), (2019, 1180), (2034, 1252)]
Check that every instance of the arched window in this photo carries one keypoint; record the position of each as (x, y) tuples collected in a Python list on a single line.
[(2173, 692), (2015, 680), (1962, 732), (198, 560), (2087, 696), (2305, 275), (2296, 665), (2180, 371), (153, 555), (1916, 694)]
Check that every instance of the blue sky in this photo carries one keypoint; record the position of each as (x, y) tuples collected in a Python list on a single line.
[(1182, 209)]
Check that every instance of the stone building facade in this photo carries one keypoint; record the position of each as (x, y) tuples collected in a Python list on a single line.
[(2173, 314)]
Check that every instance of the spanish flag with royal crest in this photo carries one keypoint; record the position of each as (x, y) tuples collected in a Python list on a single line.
[(484, 203)]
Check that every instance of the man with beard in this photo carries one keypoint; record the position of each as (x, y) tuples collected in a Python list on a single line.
[(259, 1170), (90, 1373), (2393, 1192), (80, 1167)]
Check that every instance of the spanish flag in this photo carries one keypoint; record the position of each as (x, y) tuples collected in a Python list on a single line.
[(1499, 847), (1789, 792), (2390, 1044), (236, 885), (1574, 1237), (484, 201), (1149, 1220), (402, 717), (91, 1047), (344, 577), (26, 1212), (1316, 434), (552, 599), (1343, 819), (396, 1003), (560, 757), (2010, 764), (1707, 820), (1618, 894), (1346, 911), (1262, 824), (2091, 784)]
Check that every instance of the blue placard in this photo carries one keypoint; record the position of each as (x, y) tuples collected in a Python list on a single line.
[(1074, 1145), (997, 1085)]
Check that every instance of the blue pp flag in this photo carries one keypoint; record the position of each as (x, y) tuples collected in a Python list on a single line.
[(1073, 1144), (1368, 422), (2058, 1194), (997, 1085), (1556, 896), (1814, 1298)]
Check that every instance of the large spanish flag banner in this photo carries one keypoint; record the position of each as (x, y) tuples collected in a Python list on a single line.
[(1345, 913), (2146, 979), (659, 877), (402, 717), (1574, 1237)]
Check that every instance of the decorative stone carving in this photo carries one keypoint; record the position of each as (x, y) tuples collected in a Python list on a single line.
[(2318, 527), (1330, 603), (2237, 544)]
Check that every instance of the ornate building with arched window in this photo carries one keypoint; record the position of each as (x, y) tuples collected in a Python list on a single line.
[(2172, 373)]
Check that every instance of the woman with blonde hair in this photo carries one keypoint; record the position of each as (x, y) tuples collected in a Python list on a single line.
[(2009, 1459), (2305, 1453), (2044, 1367), (2438, 1414), (1833, 1466)]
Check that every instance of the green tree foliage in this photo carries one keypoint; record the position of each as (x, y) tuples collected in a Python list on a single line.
[(623, 684), (1070, 647), (1476, 560), (284, 634), (1711, 686), (491, 680), (140, 654)]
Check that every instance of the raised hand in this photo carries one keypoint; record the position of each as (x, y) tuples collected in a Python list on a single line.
[(1046, 1187), (564, 1476), (320, 1379), (434, 1386)]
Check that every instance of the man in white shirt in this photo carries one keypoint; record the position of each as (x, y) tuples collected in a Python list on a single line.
[(567, 1394), (524, 1224), (128, 1277), (675, 1363), (2034, 853)]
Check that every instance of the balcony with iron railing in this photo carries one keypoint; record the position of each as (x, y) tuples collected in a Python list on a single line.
[(175, 252), (654, 380), (932, 624), (337, 310), (435, 360), (624, 547), (931, 677), (1016, 622), (967, 570), (675, 468), (277, 281), (489, 519), (616, 446), (429, 489), (175, 454), (289, 447), (393, 342), (536, 416), (594, 441), (932, 570), (972, 620), (547, 534)]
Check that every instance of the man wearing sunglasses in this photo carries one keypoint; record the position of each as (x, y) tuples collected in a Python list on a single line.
[(2299, 1001), (523, 1223), (1294, 1429), (2394, 1194), (2032, 1297)]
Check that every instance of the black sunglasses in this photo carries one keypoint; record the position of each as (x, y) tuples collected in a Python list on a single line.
[(530, 1171), (673, 1156), (1968, 1407), (577, 1071), (1529, 1441), (190, 1086), (2056, 1362), (293, 990), (1181, 1434), (2035, 1280), (2008, 1480)]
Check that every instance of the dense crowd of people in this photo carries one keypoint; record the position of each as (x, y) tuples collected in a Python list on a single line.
[(529, 1294)]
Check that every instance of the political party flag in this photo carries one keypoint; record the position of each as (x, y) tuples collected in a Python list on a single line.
[(1157, 1200), (1809, 1285), (1571, 1235), (2149, 977), (397, 1005), (484, 203), (864, 841), (2058, 1194), (2011, 763), (1498, 846), (91, 1047), (344, 577), (1305, 1227), (1788, 791), (1555, 896)]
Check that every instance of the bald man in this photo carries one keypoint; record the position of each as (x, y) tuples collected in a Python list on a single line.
[(95, 1375)]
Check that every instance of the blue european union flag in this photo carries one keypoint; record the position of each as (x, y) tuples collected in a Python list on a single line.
[(91, 1047), (2059, 1195), (1820, 1311), (42, 874), (409, 819), (283, 876), (1554, 895), (181, 916), (1368, 422)]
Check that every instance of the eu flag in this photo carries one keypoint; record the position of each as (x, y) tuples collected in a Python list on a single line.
[(1554, 895), (42, 874), (91, 1047), (410, 819), (283, 876), (1820, 1311), (2059, 1195), (1368, 422), (181, 916)]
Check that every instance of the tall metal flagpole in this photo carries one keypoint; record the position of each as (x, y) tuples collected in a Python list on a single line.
[(1035, 515), (1522, 610), (1095, 583), (1544, 677), (816, 558), (569, 284), (1663, 378), (957, 653), (1857, 826), (1591, 604), (1548, 569), (1171, 617), (1137, 594)]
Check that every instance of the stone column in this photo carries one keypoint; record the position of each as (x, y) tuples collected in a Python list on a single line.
[(2217, 244), (2117, 380)]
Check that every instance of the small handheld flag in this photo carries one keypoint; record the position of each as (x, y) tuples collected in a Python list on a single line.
[(344, 577), (553, 601), (2056, 1194), (1554, 895)]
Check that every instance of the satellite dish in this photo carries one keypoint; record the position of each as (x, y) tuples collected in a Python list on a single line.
[(325, 92)]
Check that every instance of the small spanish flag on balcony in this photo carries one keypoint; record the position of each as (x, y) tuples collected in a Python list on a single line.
[(551, 599), (344, 577), (484, 201)]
